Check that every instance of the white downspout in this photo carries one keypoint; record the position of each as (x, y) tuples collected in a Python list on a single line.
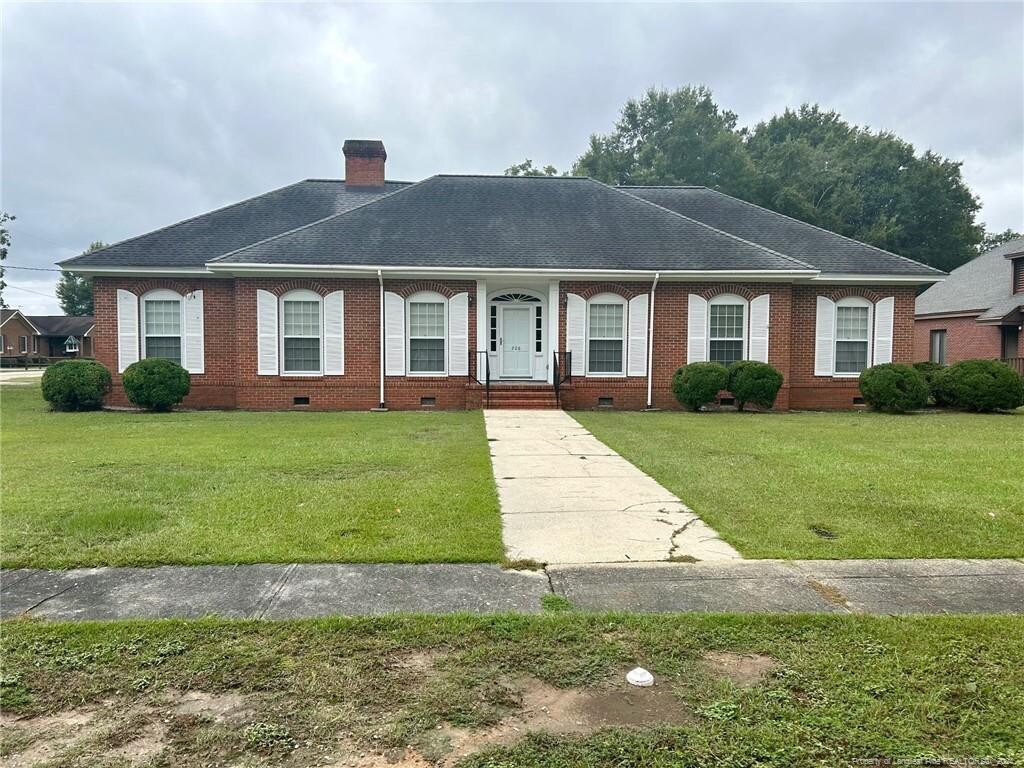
[(380, 281), (650, 340)]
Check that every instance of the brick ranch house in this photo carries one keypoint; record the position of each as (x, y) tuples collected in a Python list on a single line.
[(363, 293), (976, 312), (34, 336)]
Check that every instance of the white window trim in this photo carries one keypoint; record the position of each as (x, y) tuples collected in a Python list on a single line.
[(730, 298), (299, 294), (425, 297), (608, 298), (162, 294), (852, 301), (72, 344)]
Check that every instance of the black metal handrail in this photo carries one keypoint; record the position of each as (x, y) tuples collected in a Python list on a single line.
[(487, 375), (557, 378)]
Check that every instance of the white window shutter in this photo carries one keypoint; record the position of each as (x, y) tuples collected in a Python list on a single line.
[(696, 329), (394, 334), (576, 332), (884, 310), (458, 335), (266, 331), (759, 320), (127, 329), (636, 361), (334, 334), (195, 357), (824, 337)]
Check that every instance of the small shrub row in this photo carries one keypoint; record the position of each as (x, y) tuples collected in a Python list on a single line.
[(81, 385), (982, 386), (750, 382)]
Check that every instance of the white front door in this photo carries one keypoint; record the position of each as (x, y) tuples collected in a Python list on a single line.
[(515, 336)]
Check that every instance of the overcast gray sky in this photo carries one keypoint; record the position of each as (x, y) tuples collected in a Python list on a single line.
[(121, 118)]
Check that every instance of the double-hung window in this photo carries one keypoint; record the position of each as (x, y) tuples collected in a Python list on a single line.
[(853, 336), (727, 323), (161, 323), (606, 336), (937, 346), (301, 332), (427, 325)]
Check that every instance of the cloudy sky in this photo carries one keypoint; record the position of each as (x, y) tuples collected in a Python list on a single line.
[(121, 118)]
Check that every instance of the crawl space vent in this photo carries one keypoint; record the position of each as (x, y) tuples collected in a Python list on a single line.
[(428, 402), (300, 401)]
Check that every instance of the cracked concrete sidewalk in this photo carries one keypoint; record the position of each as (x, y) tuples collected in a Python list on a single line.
[(566, 497), (882, 587)]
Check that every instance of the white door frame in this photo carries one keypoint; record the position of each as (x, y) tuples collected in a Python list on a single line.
[(531, 319)]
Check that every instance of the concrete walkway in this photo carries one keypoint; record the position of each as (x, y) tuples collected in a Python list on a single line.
[(566, 497), (299, 591)]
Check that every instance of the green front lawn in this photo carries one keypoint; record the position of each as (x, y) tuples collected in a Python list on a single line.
[(927, 485), (122, 488), (788, 691)]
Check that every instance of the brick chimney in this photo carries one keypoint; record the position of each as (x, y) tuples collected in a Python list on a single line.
[(364, 162)]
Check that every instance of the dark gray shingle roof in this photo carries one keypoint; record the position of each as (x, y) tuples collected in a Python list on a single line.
[(981, 283), (195, 241), (826, 250), (62, 325), (506, 222)]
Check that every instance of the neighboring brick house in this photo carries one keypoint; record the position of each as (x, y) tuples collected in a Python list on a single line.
[(977, 312), (29, 336), (366, 293)]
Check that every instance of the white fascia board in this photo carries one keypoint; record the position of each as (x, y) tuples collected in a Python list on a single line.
[(24, 319), (835, 277), (520, 272)]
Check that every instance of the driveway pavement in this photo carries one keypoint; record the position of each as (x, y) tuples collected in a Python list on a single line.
[(566, 497), (299, 591), (20, 375)]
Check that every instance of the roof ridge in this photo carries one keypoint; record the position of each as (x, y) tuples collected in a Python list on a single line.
[(319, 221), (827, 231), (661, 186), (504, 176), (183, 221), (342, 181), (708, 226)]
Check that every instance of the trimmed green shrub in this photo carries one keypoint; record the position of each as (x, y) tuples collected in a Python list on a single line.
[(930, 370), (156, 384), (754, 382), (697, 384), (980, 385), (894, 387), (75, 385)]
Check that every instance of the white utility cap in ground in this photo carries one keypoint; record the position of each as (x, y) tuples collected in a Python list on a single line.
[(640, 677)]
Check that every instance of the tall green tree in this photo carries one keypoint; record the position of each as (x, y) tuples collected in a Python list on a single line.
[(873, 187), (807, 163), (74, 292), (5, 242), (993, 239), (671, 137), (527, 168)]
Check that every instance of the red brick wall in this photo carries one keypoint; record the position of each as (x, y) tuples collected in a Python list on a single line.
[(965, 338), (12, 332), (231, 378)]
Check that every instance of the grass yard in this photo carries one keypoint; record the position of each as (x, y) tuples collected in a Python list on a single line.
[(516, 691), (103, 488), (872, 485)]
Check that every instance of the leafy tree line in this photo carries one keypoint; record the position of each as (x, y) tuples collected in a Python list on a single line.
[(807, 163)]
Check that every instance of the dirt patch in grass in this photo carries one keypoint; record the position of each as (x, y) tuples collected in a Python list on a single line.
[(745, 670), (136, 734)]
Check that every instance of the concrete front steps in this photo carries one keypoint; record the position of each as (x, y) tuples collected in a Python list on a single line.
[(521, 396)]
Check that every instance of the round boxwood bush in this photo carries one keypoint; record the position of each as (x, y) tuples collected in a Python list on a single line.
[(697, 384), (980, 385), (754, 382), (156, 384), (75, 385), (894, 387)]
